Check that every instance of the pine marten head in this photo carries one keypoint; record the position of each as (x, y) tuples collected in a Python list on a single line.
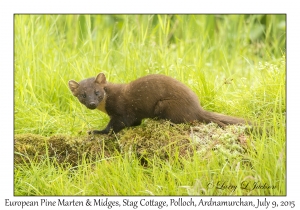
[(90, 92)]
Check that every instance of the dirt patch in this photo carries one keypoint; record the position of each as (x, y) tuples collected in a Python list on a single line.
[(161, 139)]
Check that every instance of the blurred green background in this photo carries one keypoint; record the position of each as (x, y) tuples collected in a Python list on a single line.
[(215, 55)]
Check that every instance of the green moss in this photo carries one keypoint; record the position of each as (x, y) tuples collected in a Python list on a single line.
[(160, 139), (64, 148), (165, 140)]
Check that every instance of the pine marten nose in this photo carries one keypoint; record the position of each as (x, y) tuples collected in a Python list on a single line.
[(92, 105)]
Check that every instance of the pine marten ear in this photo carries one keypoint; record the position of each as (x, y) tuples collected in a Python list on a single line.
[(73, 85), (100, 79)]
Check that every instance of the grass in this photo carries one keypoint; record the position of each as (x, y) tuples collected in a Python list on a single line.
[(234, 63)]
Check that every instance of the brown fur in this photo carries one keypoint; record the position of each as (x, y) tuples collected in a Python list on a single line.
[(152, 96)]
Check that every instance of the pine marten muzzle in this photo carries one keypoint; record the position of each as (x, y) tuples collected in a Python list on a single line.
[(153, 96)]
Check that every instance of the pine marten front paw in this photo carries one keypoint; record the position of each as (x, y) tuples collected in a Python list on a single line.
[(95, 132)]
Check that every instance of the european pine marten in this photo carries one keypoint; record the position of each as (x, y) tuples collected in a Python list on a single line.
[(152, 96)]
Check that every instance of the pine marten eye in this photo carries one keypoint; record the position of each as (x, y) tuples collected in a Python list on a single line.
[(97, 92), (83, 95)]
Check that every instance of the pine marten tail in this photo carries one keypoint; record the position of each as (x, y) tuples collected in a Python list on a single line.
[(223, 120)]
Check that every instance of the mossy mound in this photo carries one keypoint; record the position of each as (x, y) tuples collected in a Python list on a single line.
[(165, 140), (161, 139), (65, 149)]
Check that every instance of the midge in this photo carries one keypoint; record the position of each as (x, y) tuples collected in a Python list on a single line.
[(153, 96)]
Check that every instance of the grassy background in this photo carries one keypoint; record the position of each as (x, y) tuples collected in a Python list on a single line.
[(234, 63)]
